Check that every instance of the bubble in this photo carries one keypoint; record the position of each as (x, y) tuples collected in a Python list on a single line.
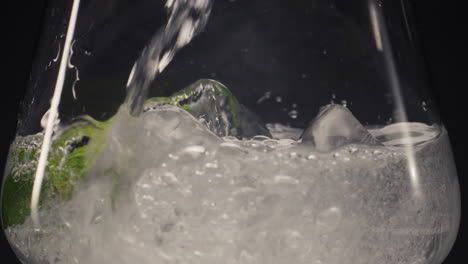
[(172, 156), (285, 179), (292, 239), (329, 219), (377, 152), (353, 150), (279, 99), (211, 165), (194, 149)]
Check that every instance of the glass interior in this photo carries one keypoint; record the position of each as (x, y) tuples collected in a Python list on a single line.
[(314, 117)]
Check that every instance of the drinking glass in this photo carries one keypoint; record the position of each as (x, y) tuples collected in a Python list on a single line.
[(230, 131)]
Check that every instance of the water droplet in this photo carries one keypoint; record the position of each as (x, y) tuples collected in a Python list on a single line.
[(325, 52), (424, 106), (293, 114), (278, 99), (88, 52)]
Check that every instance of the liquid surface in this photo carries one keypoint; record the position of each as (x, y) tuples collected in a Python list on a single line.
[(166, 189)]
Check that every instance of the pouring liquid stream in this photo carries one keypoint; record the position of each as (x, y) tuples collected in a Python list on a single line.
[(186, 20)]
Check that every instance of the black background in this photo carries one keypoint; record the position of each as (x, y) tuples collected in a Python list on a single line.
[(440, 28)]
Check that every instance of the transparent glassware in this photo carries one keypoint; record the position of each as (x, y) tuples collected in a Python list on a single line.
[(230, 132)]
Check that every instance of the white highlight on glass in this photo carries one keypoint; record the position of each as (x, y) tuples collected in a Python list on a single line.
[(58, 54), (72, 66), (376, 27), (384, 45), (53, 115)]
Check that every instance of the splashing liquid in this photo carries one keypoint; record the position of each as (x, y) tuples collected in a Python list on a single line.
[(186, 20)]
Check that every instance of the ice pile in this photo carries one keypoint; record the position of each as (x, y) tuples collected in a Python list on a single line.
[(166, 189)]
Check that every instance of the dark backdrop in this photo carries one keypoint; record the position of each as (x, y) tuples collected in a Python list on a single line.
[(439, 27)]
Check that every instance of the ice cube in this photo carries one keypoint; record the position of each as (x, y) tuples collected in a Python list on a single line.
[(335, 126), (213, 104)]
